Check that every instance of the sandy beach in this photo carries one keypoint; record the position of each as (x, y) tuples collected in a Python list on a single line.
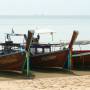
[(57, 83), (79, 80)]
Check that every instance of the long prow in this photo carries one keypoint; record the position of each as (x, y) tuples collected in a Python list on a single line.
[(73, 39)]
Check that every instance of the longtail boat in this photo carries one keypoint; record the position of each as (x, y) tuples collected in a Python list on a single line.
[(52, 59), (11, 58), (81, 59)]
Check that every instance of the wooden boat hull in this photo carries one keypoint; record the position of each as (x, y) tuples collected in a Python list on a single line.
[(81, 59), (53, 59), (13, 61), (58, 59), (49, 60)]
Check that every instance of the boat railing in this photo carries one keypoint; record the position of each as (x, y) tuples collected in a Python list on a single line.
[(81, 54)]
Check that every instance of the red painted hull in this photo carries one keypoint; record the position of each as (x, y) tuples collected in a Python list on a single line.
[(81, 60), (50, 60)]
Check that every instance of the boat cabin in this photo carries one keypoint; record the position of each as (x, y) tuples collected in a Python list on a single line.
[(40, 48)]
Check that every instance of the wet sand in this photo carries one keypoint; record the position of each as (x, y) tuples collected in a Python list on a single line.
[(46, 80)]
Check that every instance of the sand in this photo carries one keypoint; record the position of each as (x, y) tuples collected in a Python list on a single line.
[(57, 81)]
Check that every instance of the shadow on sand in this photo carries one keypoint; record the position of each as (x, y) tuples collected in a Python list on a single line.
[(42, 73), (9, 75)]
